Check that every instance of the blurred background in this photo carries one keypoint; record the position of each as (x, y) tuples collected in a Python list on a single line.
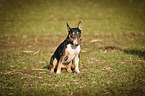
[(48, 17)]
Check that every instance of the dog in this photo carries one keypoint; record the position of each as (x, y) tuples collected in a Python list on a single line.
[(68, 50)]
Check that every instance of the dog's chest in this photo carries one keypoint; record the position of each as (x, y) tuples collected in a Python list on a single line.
[(72, 52)]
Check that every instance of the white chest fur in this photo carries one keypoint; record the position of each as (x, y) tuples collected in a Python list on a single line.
[(73, 51)]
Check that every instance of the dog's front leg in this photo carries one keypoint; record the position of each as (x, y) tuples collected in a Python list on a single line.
[(77, 63)]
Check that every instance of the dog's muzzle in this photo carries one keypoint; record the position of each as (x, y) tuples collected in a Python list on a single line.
[(76, 42)]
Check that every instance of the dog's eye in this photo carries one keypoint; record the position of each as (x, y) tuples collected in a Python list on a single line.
[(78, 35), (73, 34)]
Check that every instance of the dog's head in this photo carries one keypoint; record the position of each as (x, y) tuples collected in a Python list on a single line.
[(74, 34)]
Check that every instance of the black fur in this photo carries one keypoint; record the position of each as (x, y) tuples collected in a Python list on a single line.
[(60, 51)]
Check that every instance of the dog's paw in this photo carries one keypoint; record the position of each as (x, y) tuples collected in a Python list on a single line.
[(58, 72), (69, 70), (52, 71), (77, 70)]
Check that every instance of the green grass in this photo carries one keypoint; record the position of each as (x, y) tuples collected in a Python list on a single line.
[(114, 64)]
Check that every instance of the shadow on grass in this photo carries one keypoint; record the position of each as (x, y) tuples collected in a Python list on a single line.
[(139, 53)]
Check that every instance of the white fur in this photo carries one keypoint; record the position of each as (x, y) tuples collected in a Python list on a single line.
[(73, 52), (77, 64), (58, 72)]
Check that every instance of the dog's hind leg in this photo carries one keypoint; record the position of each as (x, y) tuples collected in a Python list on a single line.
[(59, 67), (53, 65)]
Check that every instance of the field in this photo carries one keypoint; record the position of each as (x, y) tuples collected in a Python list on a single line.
[(112, 60)]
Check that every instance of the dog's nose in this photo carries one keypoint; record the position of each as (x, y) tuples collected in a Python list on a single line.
[(76, 44)]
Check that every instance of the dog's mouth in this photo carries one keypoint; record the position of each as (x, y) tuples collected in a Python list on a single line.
[(76, 42)]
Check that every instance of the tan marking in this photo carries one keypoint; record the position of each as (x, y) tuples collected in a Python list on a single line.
[(65, 58), (66, 52), (71, 39), (66, 55), (54, 65), (69, 67), (80, 39)]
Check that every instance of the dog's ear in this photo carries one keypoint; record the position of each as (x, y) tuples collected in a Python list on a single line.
[(68, 27), (80, 25)]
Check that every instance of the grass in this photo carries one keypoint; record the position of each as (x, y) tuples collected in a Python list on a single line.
[(113, 47)]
